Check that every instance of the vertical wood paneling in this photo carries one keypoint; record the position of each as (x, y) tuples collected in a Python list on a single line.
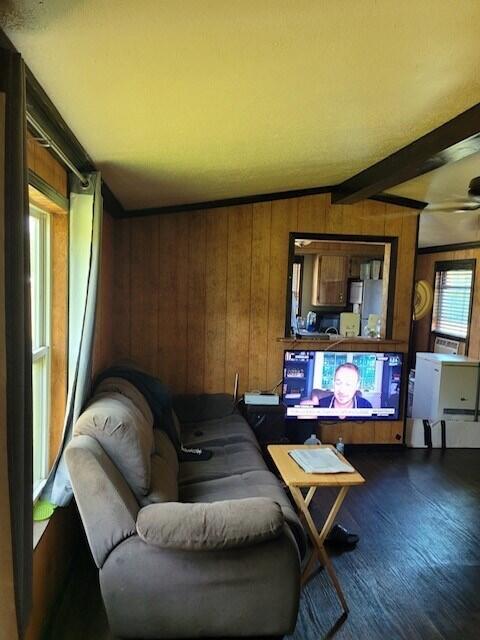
[(334, 218), (260, 295), (221, 278), (405, 276), (312, 212), (122, 302), (103, 347), (41, 162), (393, 227), (144, 291), (59, 333), (216, 299), (284, 220), (400, 223), (178, 360), (196, 303), (52, 560), (167, 286), (372, 217), (239, 261)]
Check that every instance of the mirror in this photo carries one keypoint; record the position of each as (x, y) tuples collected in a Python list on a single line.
[(340, 285)]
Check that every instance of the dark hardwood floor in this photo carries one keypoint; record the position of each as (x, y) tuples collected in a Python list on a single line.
[(415, 573)]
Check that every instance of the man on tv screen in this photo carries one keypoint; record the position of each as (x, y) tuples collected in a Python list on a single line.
[(345, 394)]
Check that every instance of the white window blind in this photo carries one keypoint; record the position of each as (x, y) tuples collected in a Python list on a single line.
[(451, 304)]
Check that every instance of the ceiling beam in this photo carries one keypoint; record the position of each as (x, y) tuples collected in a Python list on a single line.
[(400, 201), (444, 248), (452, 141)]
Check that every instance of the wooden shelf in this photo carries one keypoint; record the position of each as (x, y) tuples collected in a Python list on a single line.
[(367, 342)]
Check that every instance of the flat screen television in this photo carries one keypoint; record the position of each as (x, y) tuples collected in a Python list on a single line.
[(342, 385)]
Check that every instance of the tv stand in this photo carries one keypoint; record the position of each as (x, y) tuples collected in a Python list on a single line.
[(267, 421), (300, 430)]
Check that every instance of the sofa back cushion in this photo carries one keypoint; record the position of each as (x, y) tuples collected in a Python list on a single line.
[(107, 506), (125, 435), (129, 390)]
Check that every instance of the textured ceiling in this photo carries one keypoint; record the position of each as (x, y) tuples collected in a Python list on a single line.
[(190, 100)]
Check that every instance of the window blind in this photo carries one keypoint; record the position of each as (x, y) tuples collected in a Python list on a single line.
[(451, 303)]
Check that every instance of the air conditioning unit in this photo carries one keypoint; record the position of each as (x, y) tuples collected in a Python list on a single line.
[(445, 345)]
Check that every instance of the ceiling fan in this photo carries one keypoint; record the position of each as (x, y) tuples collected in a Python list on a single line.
[(460, 204)]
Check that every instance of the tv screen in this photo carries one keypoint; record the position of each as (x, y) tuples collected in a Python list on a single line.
[(342, 385)]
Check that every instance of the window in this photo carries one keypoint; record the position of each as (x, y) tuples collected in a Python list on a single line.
[(40, 292), (453, 298), (297, 281), (331, 362)]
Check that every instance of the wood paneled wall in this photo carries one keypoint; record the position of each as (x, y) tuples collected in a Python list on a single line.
[(426, 271), (199, 296), (103, 343), (41, 162)]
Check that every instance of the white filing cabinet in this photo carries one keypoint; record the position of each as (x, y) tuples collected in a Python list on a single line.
[(446, 387)]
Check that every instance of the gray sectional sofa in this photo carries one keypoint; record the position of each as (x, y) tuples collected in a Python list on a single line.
[(194, 549)]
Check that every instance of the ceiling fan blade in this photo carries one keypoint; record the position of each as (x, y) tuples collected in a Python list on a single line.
[(452, 206)]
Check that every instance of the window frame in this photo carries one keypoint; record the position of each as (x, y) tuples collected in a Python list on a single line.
[(42, 310), (454, 265), (390, 243)]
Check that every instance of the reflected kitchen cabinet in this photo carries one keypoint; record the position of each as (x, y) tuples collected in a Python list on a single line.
[(330, 275)]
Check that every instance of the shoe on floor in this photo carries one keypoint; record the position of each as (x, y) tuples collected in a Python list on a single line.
[(339, 536)]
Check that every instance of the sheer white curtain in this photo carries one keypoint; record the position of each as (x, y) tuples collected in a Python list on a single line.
[(85, 239)]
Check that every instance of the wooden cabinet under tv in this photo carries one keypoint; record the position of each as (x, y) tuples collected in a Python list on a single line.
[(330, 274)]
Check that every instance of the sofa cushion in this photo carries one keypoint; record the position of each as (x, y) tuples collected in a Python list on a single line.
[(218, 431), (125, 435), (164, 448), (126, 388), (163, 483), (220, 525), (155, 392), (226, 460), (247, 485), (164, 476)]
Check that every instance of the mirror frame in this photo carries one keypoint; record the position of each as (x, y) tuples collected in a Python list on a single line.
[(340, 237)]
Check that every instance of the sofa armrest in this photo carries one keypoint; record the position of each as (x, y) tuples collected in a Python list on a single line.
[(202, 406), (208, 526)]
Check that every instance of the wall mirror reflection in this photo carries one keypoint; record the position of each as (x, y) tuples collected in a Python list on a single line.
[(340, 285)]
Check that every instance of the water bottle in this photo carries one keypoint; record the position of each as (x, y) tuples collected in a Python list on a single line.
[(312, 440), (340, 445)]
